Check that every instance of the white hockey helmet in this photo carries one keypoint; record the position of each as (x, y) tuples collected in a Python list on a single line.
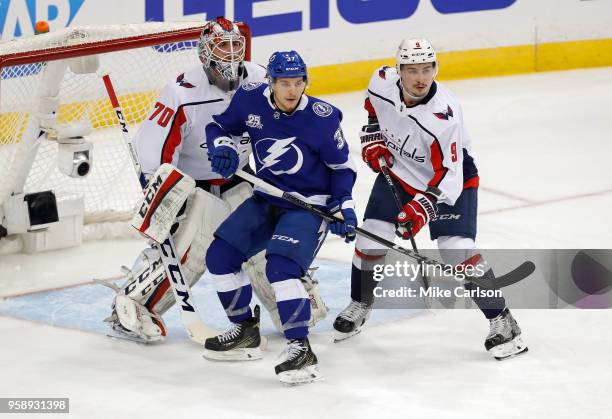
[(221, 50), (416, 51)]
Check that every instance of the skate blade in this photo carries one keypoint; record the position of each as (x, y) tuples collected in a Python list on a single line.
[(130, 338), (509, 349), (263, 344), (306, 375), (340, 336), (239, 354)]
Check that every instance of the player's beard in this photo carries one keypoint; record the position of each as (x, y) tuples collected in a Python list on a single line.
[(294, 107), (414, 97)]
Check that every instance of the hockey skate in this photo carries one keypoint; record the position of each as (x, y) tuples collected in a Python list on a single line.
[(350, 321), (241, 342), (504, 340), (300, 366)]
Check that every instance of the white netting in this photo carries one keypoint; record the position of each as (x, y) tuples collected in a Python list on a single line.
[(138, 74)]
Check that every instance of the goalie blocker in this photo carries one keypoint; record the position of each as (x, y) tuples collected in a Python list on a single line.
[(163, 198), (172, 204)]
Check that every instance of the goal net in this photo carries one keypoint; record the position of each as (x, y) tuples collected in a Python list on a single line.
[(140, 58)]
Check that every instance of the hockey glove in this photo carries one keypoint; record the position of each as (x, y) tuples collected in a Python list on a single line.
[(224, 159), (416, 214), (163, 200), (344, 229), (373, 147)]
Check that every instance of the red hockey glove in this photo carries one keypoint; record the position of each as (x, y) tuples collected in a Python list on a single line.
[(416, 214), (373, 146)]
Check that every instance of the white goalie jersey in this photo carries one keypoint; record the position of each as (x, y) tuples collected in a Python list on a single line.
[(429, 141), (174, 129)]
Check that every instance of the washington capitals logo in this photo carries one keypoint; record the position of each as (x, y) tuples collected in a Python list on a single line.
[(382, 73), (225, 24), (282, 155), (181, 81), (445, 115)]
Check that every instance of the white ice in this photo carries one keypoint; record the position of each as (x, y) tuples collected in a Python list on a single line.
[(542, 145)]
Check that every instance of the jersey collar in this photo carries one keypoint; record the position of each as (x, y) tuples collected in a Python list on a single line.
[(432, 91), (300, 107)]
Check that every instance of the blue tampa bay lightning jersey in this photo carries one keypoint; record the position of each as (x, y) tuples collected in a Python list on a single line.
[(304, 152)]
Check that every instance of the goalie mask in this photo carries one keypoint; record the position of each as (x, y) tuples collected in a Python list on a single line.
[(221, 50)]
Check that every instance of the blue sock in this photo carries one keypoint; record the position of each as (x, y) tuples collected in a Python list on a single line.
[(291, 298), (233, 286)]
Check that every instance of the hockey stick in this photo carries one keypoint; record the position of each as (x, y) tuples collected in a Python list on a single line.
[(523, 271), (197, 330), (385, 171)]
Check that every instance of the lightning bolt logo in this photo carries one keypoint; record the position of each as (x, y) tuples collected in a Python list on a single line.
[(278, 149)]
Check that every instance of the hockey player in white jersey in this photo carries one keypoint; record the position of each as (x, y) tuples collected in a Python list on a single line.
[(174, 134), (415, 127)]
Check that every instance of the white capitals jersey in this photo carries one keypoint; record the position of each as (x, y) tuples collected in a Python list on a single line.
[(174, 129), (429, 140)]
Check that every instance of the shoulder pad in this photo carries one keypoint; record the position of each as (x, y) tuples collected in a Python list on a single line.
[(438, 122), (322, 109), (256, 72), (445, 115), (250, 86), (382, 72), (383, 78)]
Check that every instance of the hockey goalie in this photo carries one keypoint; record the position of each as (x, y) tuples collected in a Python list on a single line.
[(171, 140)]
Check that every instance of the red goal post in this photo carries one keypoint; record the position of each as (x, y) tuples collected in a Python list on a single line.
[(110, 45)]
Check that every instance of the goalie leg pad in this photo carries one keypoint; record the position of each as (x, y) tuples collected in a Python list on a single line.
[(204, 212), (237, 195), (147, 285), (318, 308), (165, 195), (255, 268)]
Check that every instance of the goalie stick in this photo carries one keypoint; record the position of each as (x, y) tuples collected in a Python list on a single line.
[(197, 330), (516, 275)]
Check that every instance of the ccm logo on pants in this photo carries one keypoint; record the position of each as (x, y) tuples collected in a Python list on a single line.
[(285, 239)]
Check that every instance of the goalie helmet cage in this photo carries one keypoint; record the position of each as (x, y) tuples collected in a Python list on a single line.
[(140, 58)]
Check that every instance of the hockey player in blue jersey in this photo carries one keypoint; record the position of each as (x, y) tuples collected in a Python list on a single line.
[(299, 147)]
